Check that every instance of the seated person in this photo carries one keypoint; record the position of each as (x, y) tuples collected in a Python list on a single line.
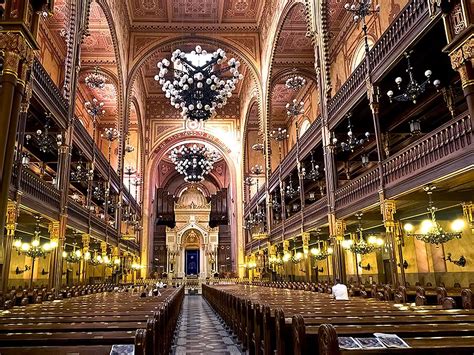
[(339, 291)]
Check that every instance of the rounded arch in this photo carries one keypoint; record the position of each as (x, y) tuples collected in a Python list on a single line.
[(359, 53), (289, 7), (304, 127), (253, 102)]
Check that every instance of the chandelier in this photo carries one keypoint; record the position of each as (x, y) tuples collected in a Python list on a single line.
[(276, 204), (110, 134), (42, 137), (351, 142), (290, 190), (81, 173), (194, 162), (361, 9), (95, 80), (279, 134), (96, 259), (294, 108), (297, 257), (94, 108), (413, 90), (320, 254), (74, 256), (361, 246), (295, 81), (314, 173), (275, 260), (197, 86), (431, 231)]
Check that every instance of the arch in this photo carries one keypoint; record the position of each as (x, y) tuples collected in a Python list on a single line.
[(304, 127), (250, 106), (359, 52), (281, 21)]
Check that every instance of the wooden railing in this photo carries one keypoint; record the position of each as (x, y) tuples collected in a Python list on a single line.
[(48, 93), (358, 189), (430, 150), (315, 212), (35, 187), (409, 23)]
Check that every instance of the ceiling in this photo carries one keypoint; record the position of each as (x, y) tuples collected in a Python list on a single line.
[(156, 13)]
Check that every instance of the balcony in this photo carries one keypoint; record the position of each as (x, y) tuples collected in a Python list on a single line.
[(410, 23), (46, 92), (38, 194)]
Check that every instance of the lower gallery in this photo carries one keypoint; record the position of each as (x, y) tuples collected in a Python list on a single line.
[(236, 176)]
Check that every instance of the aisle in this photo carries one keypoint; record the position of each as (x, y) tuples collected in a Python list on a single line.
[(200, 332)]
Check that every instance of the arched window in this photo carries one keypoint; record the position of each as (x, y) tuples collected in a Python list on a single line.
[(359, 53), (304, 127)]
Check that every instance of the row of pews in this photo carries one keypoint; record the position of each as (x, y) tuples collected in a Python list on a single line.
[(23, 297), (94, 323), (268, 320), (449, 298)]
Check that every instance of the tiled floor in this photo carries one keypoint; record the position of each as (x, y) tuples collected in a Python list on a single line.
[(200, 332)]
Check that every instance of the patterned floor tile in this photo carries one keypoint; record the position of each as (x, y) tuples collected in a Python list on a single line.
[(200, 332)]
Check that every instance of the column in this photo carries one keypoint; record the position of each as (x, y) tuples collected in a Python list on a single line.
[(468, 210), (307, 257), (286, 250), (55, 264), (103, 248), (388, 209), (10, 226), (17, 55), (337, 227), (86, 239)]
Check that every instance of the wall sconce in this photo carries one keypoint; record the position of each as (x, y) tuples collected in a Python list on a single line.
[(43, 272), (19, 271), (365, 159), (460, 262), (321, 270), (367, 267), (404, 265)]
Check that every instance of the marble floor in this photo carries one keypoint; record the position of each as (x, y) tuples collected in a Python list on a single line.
[(199, 331)]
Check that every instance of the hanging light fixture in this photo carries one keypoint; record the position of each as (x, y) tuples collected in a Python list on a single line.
[(276, 204), (42, 137), (352, 142), (290, 190), (74, 256), (431, 231), (415, 127), (314, 173), (320, 252), (279, 134), (193, 161), (257, 170), (361, 245), (413, 90), (365, 159), (95, 79), (95, 108), (294, 108), (80, 173), (197, 86), (295, 81)]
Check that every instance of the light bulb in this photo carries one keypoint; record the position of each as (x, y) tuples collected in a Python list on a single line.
[(426, 226), (346, 243), (64, 254), (35, 242), (408, 227), (458, 225), (17, 243), (330, 251)]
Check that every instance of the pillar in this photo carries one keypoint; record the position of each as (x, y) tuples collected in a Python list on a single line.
[(307, 258), (55, 264), (468, 210), (10, 226), (86, 240), (388, 209), (103, 248), (337, 227)]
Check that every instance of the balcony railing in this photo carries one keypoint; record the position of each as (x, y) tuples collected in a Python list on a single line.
[(48, 93), (434, 149), (358, 189), (44, 193), (409, 23)]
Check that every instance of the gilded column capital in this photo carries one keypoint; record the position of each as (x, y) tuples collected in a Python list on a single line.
[(86, 240), (103, 248), (12, 215), (286, 245), (462, 59), (468, 210), (54, 230)]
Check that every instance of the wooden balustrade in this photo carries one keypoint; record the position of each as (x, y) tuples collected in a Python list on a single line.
[(359, 189), (44, 195), (431, 151), (46, 92), (315, 213)]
